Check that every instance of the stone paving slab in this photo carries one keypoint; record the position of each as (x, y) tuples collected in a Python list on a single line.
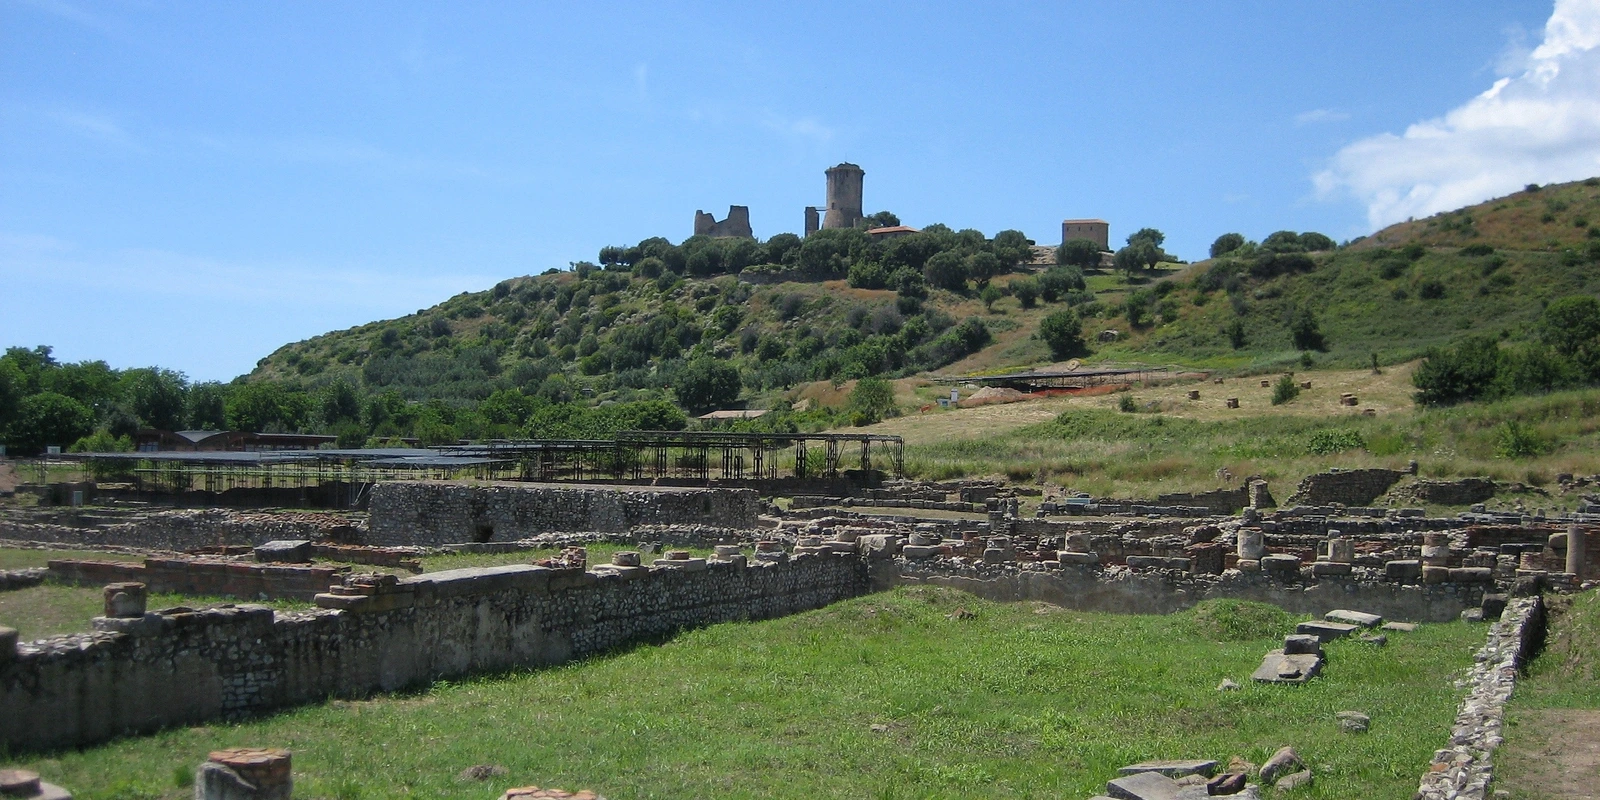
[(1144, 786), (1326, 631), (1172, 769), (1361, 618), (1279, 667)]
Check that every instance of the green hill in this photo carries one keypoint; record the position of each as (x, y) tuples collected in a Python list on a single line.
[(1487, 269)]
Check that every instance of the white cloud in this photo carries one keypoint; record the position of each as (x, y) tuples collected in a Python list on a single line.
[(1540, 125), (804, 128), (93, 126), (1317, 115)]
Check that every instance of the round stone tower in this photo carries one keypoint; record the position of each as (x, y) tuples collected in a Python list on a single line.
[(844, 196)]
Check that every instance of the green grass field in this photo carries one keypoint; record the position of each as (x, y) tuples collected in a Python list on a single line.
[(888, 696)]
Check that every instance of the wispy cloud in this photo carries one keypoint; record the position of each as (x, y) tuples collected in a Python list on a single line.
[(804, 128), (1540, 125), (1318, 115), (336, 151), (97, 127), (72, 13), (641, 80)]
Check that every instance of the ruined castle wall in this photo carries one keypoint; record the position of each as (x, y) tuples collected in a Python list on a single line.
[(440, 512), (187, 667)]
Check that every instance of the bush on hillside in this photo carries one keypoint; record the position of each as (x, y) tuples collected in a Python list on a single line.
[(1062, 332), (872, 400), (1285, 390)]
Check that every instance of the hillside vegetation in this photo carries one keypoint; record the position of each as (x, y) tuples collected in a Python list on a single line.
[(657, 331), (1488, 269)]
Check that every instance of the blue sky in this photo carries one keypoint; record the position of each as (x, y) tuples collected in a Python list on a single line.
[(194, 184)]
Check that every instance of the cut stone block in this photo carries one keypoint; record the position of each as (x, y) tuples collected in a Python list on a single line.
[(284, 551), (1471, 575), (1082, 559), (1278, 562), (1361, 618), (1280, 667), (1403, 627), (1435, 574), (1302, 644), (1403, 570), (1143, 786), (1172, 769), (919, 551), (1331, 569), (1326, 631)]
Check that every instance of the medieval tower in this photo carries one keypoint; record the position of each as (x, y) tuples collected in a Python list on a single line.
[(844, 196)]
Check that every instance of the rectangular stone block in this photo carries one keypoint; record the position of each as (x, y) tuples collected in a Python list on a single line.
[(1299, 644), (1331, 569), (915, 551), (1471, 575), (1281, 667), (1172, 769), (1278, 562), (1143, 786), (1348, 617), (1403, 570), (1432, 574), (1326, 631)]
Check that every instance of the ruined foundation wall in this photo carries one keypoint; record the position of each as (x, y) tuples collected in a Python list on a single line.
[(1158, 593), (1353, 487), (174, 530), (183, 668), (439, 512)]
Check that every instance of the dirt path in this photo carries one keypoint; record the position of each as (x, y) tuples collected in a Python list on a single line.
[(8, 475), (1556, 757)]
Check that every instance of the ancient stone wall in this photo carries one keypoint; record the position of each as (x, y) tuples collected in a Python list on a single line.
[(1220, 501), (448, 512), (184, 667), (1166, 591), (174, 530), (737, 225), (1351, 487), (204, 578)]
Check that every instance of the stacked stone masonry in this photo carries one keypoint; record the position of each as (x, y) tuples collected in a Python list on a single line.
[(200, 577), (182, 666), (432, 513)]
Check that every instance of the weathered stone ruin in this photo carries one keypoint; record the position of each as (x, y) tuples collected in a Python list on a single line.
[(737, 225), (447, 512)]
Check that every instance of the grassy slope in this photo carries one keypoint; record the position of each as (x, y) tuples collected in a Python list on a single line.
[(1021, 701), (1174, 444), (1553, 721), (1357, 307)]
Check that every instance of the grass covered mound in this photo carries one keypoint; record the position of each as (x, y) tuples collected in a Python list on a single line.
[(888, 696), (1238, 620)]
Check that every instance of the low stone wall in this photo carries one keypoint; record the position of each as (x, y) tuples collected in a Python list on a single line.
[(184, 667), (237, 579), (1126, 591), (1351, 487), (1464, 769), (1220, 501), (21, 578), (1463, 492), (175, 531), (448, 512)]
